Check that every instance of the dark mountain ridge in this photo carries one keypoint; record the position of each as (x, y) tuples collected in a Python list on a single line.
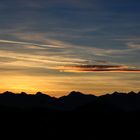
[(75, 116), (125, 101)]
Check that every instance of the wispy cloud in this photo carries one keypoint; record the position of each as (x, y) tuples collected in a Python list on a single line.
[(98, 68), (27, 43), (134, 46), (60, 54), (38, 49)]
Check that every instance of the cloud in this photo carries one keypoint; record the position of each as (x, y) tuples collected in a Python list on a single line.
[(133, 46), (60, 53), (27, 54), (32, 60), (7, 59), (98, 68), (27, 43), (101, 61)]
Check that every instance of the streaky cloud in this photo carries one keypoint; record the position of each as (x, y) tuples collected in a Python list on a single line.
[(133, 46), (98, 68), (28, 43)]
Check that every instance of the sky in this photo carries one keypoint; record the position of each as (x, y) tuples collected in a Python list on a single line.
[(57, 46)]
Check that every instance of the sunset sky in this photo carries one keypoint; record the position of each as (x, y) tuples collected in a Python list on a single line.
[(57, 46)]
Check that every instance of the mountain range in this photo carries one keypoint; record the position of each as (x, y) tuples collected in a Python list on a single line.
[(74, 100), (75, 116)]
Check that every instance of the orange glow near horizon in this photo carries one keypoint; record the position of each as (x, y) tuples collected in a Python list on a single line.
[(59, 86)]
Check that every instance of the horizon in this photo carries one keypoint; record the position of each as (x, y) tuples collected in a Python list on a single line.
[(57, 46), (56, 96)]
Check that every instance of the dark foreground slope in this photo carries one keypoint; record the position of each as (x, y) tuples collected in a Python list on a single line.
[(76, 116)]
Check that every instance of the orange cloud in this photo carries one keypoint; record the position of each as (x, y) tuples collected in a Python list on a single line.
[(97, 68)]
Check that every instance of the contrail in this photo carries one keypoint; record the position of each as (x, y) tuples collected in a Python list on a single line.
[(28, 43)]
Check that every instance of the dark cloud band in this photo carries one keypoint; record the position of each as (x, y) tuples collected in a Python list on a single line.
[(98, 68)]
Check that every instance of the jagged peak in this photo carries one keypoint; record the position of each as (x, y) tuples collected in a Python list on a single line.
[(42, 94), (39, 93), (75, 93), (115, 93), (131, 92), (8, 93), (23, 93)]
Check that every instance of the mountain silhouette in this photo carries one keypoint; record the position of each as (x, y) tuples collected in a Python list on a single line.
[(73, 100), (75, 116)]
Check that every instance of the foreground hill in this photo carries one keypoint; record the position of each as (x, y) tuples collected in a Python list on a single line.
[(75, 116)]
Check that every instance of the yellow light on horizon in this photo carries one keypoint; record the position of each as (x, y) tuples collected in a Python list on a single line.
[(61, 85)]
